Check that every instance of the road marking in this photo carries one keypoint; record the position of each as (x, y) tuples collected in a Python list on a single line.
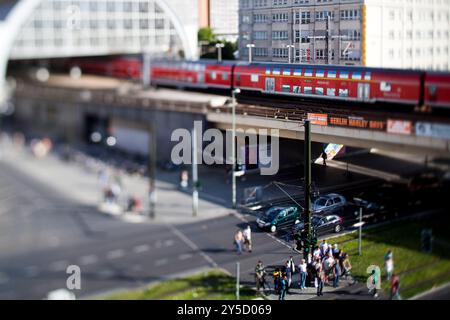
[(161, 262), (169, 243), (192, 245), (185, 256), (3, 278), (86, 260), (141, 248), (31, 271), (59, 265), (115, 254)]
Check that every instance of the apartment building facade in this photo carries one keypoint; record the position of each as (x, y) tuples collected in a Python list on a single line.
[(377, 33), (221, 16)]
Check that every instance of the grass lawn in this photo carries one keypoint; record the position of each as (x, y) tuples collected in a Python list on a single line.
[(211, 285), (418, 271)]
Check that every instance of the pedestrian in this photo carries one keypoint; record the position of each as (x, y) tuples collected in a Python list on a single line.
[(389, 264), (324, 247), (346, 265), (248, 238), (184, 179), (395, 288), (303, 272), (292, 264), (276, 277), (260, 276), (375, 283), (320, 278), (324, 158), (336, 274), (336, 251), (283, 287), (317, 253), (288, 273), (238, 239)]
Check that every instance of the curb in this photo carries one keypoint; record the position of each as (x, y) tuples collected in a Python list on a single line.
[(434, 289)]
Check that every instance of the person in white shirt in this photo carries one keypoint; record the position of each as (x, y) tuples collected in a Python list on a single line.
[(317, 253), (303, 272), (324, 247), (248, 238)]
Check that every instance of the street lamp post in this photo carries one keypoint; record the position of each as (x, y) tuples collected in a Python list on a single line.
[(359, 225), (219, 47), (290, 47), (233, 146), (250, 53), (307, 186)]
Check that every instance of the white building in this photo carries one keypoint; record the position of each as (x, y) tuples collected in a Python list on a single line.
[(376, 33), (224, 18)]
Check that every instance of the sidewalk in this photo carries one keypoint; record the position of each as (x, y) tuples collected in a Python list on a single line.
[(80, 184)]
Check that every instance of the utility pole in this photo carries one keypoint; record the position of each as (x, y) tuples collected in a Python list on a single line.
[(360, 232), (307, 187), (219, 47), (238, 280), (194, 174), (152, 170), (233, 146), (146, 70)]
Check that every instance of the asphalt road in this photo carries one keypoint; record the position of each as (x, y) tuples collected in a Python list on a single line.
[(42, 232)]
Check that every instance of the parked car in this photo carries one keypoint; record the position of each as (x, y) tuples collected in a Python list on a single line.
[(322, 224), (331, 203), (279, 217)]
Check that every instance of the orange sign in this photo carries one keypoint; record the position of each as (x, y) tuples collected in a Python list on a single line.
[(318, 119)]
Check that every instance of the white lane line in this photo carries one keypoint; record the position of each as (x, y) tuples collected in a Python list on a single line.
[(192, 245), (185, 256), (115, 254), (160, 262), (141, 249), (59, 265), (169, 243), (3, 278), (90, 259), (31, 271)]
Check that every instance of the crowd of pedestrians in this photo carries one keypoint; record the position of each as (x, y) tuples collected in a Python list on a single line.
[(325, 266)]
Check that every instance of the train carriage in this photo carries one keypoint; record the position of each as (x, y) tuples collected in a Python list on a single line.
[(437, 90), (325, 82)]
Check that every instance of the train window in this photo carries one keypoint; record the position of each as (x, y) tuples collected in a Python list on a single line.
[(331, 92), (344, 75), (298, 72), (308, 90), (254, 78), (343, 92), (385, 86), (308, 73), (224, 75), (213, 75), (296, 89), (287, 72), (356, 75), (268, 71), (320, 73), (331, 74), (276, 71), (286, 88), (368, 76), (319, 91)]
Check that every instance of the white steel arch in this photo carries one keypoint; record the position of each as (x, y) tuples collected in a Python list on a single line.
[(64, 28)]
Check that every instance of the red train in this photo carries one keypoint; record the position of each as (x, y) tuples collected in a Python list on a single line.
[(344, 83)]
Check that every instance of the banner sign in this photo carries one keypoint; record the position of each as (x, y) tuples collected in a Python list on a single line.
[(434, 130), (399, 127), (318, 119), (358, 122)]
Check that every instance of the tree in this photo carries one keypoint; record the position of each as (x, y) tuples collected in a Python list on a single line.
[(206, 34)]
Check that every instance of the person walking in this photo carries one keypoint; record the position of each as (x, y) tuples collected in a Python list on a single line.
[(260, 276), (324, 158), (288, 274), (346, 265), (303, 272), (276, 279), (283, 288), (336, 274), (248, 238), (389, 264), (320, 278), (238, 239), (395, 288), (324, 247)]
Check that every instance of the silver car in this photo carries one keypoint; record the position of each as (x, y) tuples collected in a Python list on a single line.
[(330, 203)]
